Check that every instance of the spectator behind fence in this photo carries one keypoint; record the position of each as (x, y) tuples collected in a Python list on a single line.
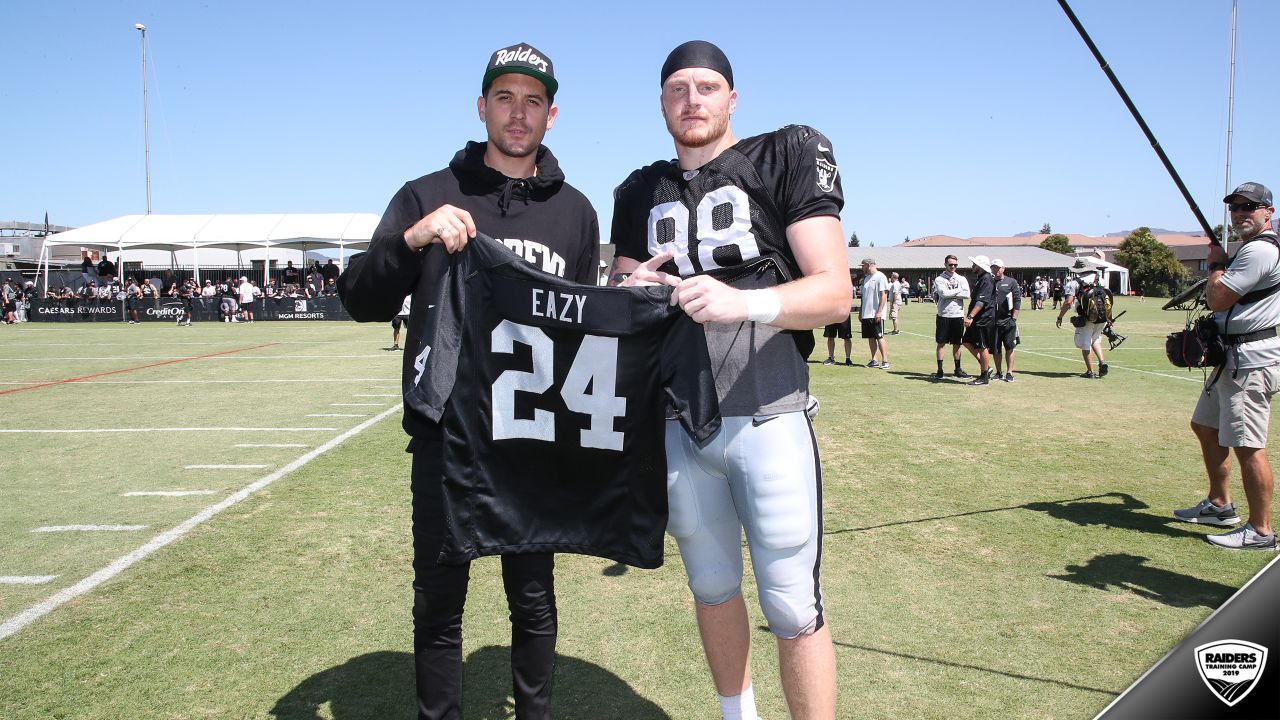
[(208, 291), (329, 272), (291, 275)]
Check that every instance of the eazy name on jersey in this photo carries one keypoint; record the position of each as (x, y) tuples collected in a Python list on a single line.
[(562, 306)]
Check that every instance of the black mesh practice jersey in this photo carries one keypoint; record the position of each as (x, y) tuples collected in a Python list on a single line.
[(728, 219), (551, 397)]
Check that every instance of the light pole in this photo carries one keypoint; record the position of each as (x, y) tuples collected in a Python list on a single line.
[(146, 126)]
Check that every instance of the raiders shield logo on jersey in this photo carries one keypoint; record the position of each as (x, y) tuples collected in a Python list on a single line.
[(826, 174)]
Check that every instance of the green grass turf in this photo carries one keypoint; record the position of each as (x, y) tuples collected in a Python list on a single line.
[(988, 552)]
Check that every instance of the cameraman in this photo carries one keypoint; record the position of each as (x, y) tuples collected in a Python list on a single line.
[(1235, 408), (1088, 334)]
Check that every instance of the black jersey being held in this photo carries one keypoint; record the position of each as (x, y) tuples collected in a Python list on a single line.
[(550, 397)]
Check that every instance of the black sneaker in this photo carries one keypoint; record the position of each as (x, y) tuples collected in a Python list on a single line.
[(873, 364), (982, 379), (962, 374), (938, 375), (1008, 377), (848, 362), (829, 361), (1102, 370), (1088, 375)]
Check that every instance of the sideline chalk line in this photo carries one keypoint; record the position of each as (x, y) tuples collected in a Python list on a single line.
[(39, 610)]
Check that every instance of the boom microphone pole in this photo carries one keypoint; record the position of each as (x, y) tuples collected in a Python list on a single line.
[(1186, 195)]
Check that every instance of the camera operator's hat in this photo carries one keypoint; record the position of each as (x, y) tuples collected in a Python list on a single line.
[(521, 58), (1253, 192)]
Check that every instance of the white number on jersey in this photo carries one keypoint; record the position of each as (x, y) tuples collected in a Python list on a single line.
[(595, 366), (736, 234)]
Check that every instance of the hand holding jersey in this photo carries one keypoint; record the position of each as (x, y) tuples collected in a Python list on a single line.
[(448, 225)]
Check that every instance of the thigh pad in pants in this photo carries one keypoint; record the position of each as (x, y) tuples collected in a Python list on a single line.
[(758, 475)]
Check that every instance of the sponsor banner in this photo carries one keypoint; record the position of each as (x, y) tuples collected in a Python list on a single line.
[(170, 309), (1220, 670)]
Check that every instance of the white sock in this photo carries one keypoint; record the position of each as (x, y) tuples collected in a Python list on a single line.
[(739, 707)]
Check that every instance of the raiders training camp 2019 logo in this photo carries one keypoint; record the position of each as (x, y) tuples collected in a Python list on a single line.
[(1231, 668)]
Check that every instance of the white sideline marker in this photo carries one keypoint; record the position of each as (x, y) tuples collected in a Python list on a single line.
[(224, 467), (27, 579), (165, 493), (89, 528), (338, 415), (269, 445), (39, 610), (356, 404)]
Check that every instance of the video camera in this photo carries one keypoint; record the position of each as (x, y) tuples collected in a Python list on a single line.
[(1110, 333)]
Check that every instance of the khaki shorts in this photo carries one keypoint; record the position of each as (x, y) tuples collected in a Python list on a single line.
[(893, 311), (1088, 335), (1240, 407)]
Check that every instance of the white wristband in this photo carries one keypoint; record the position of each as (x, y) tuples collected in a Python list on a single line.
[(762, 305)]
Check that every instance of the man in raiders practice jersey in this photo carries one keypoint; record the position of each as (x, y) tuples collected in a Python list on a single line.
[(511, 188), (749, 234)]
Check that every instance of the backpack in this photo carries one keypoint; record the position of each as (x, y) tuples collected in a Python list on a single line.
[(1096, 306)]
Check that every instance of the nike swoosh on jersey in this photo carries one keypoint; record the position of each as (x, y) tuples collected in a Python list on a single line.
[(758, 421)]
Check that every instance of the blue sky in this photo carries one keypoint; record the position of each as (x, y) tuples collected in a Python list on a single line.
[(982, 117)]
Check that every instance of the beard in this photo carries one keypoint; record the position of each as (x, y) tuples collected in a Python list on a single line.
[(522, 147), (709, 133)]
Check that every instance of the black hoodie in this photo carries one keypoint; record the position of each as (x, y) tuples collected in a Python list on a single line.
[(542, 218)]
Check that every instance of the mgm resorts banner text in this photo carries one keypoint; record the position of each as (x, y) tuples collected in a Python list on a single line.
[(169, 309)]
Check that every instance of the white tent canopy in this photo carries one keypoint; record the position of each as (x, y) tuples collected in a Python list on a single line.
[(175, 233)]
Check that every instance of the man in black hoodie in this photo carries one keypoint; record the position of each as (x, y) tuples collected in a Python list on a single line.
[(511, 188)]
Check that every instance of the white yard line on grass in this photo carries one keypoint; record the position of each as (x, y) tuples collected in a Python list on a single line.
[(89, 528), (1110, 365), (27, 579), (1114, 366), (338, 415), (170, 429), (224, 467), (356, 404), (166, 493), (269, 445), (39, 610), (386, 395)]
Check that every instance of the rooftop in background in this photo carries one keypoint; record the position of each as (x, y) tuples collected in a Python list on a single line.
[(15, 228), (1079, 242), (902, 257)]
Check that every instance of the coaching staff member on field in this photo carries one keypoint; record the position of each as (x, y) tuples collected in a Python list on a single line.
[(749, 233), (1234, 410), (511, 188), (980, 318)]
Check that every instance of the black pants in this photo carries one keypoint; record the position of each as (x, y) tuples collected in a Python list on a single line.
[(439, 593)]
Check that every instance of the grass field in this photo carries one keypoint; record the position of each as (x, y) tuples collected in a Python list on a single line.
[(998, 552)]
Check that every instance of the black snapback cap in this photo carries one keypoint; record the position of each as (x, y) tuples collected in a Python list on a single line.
[(521, 58)]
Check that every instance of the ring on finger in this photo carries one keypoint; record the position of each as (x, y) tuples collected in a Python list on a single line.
[(439, 231)]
